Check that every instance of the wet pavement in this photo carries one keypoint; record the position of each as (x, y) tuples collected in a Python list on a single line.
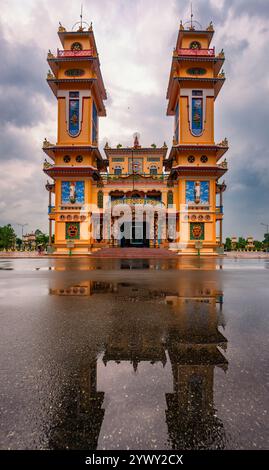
[(134, 354)]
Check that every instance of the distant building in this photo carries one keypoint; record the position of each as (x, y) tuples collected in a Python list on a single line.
[(250, 244), (29, 241)]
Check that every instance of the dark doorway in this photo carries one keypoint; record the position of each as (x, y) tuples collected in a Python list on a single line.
[(135, 235)]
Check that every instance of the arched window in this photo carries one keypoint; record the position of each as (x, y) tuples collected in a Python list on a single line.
[(100, 199), (170, 198), (117, 170), (153, 170)]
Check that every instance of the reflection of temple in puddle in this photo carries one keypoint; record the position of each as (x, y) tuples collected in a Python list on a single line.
[(193, 351), (152, 325), (78, 423)]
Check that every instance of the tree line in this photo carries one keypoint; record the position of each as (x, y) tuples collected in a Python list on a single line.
[(241, 244), (10, 241)]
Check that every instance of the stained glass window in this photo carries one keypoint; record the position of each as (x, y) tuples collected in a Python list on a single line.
[(94, 123), (197, 116), (74, 113)]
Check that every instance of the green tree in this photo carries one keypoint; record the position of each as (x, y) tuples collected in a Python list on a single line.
[(258, 245), (266, 242), (241, 244), (228, 244), (7, 237), (41, 238)]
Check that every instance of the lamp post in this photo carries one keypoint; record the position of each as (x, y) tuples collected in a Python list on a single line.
[(22, 225)]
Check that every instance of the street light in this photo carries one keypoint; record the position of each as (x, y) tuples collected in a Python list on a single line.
[(22, 225)]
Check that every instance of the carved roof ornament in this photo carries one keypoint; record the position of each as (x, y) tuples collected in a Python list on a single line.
[(50, 75), (46, 143), (210, 27), (221, 74), (174, 141), (107, 146), (181, 27), (164, 145), (50, 55), (47, 165), (61, 28), (224, 142), (223, 164), (221, 55), (90, 27)]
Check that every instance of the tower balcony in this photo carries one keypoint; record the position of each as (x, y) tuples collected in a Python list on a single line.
[(196, 52), (73, 53), (219, 212)]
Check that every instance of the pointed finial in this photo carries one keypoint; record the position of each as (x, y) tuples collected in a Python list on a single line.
[(90, 28), (61, 28), (210, 27), (181, 27)]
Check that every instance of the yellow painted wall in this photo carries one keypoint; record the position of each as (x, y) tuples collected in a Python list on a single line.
[(188, 38)]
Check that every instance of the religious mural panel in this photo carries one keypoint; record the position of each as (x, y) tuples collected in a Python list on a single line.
[(197, 116), (72, 231), (197, 192), (73, 192), (135, 165), (197, 231)]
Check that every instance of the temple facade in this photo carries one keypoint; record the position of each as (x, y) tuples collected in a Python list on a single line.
[(177, 193)]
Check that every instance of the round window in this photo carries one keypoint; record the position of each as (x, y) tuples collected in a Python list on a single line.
[(204, 158), (195, 45), (79, 158), (67, 159), (76, 46), (191, 159)]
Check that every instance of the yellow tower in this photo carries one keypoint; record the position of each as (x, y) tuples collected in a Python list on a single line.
[(76, 81), (195, 81)]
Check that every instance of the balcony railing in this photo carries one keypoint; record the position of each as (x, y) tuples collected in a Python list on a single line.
[(70, 53), (197, 52), (219, 209), (112, 176), (51, 209), (134, 201)]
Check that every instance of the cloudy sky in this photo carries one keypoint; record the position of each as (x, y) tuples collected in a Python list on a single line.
[(135, 39)]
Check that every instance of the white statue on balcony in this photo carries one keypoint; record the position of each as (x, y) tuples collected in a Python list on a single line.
[(197, 191), (72, 192)]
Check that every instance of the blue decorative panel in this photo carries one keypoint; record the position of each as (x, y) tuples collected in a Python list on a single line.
[(73, 117), (190, 195), (73, 192), (197, 116), (204, 192), (197, 192)]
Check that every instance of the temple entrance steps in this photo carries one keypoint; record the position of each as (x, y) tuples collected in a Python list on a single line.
[(134, 253)]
